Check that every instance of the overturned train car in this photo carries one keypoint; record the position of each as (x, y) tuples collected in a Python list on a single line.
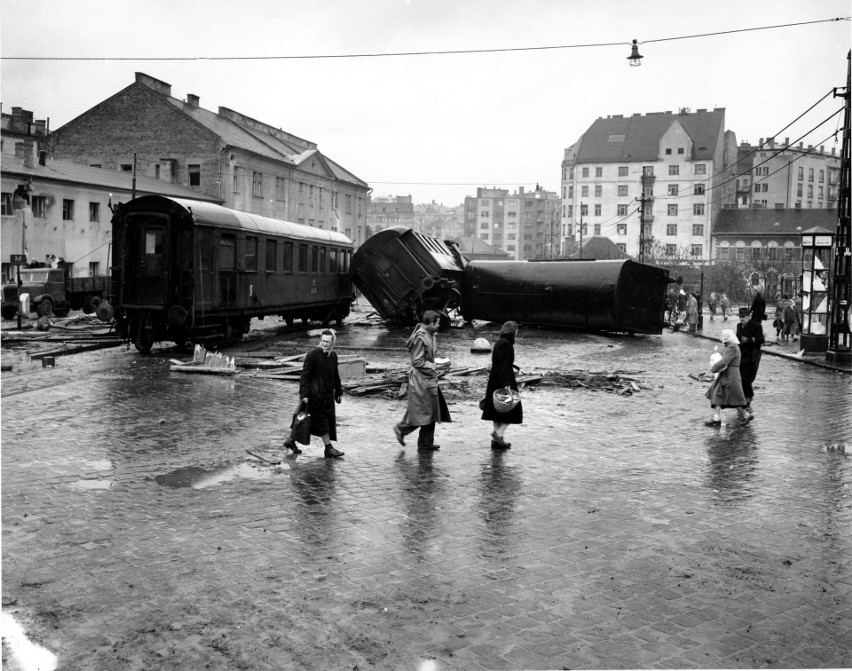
[(191, 271), (618, 296), (403, 273)]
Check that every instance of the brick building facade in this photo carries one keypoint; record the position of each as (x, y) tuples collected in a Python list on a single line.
[(247, 164)]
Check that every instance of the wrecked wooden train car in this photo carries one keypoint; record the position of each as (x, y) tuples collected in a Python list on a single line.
[(190, 270), (403, 273), (618, 295)]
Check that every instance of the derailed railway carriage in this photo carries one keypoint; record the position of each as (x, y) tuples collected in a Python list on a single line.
[(190, 271)]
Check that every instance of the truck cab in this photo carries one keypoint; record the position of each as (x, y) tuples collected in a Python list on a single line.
[(46, 288)]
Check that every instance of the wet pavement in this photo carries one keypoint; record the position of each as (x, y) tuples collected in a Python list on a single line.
[(617, 532)]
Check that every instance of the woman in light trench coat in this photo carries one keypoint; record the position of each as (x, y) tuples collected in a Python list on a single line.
[(426, 404), (727, 389)]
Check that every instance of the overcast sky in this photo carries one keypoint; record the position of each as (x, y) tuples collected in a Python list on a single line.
[(438, 126)]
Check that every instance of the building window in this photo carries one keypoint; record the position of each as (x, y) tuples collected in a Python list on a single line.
[(674, 170), (810, 174), (311, 195), (698, 229), (673, 189), (698, 209), (801, 173), (722, 253), (301, 193), (7, 204), (622, 171), (126, 167), (698, 251), (598, 190), (680, 150), (621, 229), (810, 190), (668, 151), (236, 179), (349, 203), (622, 210), (671, 250), (622, 190), (194, 170), (584, 191), (671, 229), (485, 213), (772, 253), (700, 169), (67, 210), (280, 188), (94, 212), (597, 229), (799, 191), (584, 210), (38, 204), (585, 172), (597, 209), (257, 184), (598, 172), (740, 253), (672, 210), (698, 189)]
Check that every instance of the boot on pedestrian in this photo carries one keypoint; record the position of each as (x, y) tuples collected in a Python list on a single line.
[(332, 453), (290, 444)]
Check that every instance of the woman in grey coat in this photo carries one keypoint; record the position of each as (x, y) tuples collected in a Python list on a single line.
[(727, 389), (426, 404)]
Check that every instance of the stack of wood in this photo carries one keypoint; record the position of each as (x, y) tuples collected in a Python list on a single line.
[(617, 382)]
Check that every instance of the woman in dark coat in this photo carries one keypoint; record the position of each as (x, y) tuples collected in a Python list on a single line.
[(320, 388), (727, 389), (502, 375), (750, 335)]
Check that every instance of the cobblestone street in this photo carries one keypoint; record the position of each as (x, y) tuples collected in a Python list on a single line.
[(618, 531)]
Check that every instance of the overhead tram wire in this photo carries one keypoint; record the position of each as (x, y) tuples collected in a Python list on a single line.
[(436, 52)]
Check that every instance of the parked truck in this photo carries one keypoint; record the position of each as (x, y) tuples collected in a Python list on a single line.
[(51, 292)]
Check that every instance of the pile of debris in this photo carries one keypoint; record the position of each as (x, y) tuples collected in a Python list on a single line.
[(616, 382)]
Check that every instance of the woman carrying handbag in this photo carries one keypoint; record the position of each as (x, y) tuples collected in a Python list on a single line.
[(502, 376)]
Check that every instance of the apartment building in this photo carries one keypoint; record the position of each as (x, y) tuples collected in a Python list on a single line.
[(649, 181), (386, 211), (525, 224), (780, 175)]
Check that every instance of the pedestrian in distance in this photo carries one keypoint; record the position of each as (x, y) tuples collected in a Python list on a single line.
[(502, 375), (750, 335), (778, 323), (758, 308), (692, 312), (320, 389), (790, 317), (426, 404), (712, 303), (727, 389), (725, 306)]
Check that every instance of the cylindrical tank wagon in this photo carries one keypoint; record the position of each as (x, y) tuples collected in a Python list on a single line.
[(613, 295)]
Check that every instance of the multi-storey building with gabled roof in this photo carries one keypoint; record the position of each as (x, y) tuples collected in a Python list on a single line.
[(249, 165), (668, 172)]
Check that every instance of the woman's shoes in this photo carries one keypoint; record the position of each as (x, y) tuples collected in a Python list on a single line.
[(497, 446), (398, 433), (331, 452), (290, 444), (502, 444)]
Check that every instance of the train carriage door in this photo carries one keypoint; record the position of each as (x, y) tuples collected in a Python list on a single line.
[(204, 259), (146, 257)]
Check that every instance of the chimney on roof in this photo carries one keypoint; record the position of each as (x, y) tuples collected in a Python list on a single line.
[(521, 190), (786, 142), (40, 127), (771, 141), (192, 100), (760, 144), (27, 148), (160, 87), (801, 145), (822, 149)]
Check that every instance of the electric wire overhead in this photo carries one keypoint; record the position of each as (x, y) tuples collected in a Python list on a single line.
[(446, 52)]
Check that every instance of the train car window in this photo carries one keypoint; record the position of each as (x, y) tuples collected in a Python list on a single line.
[(250, 258), (287, 257), (332, 260), (154, 241), (314, 259), (303, 259), (346, 256), (271, 250), (228, 252), (203, 251), (322, 260)]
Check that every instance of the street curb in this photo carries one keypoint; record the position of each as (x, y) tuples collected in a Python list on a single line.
[(781, 355)]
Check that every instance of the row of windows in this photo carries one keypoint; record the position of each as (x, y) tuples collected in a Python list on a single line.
[(309, 194), (698, 189), (672, 210), (755, 253), (277, 256), (624, 170), (38, 205)]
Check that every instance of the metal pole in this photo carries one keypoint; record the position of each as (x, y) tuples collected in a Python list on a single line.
[(133, 186), (839, 345), (642, 225), (581, 231)]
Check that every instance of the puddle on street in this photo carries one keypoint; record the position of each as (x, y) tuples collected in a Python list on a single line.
[(93, 484), (199, 478)]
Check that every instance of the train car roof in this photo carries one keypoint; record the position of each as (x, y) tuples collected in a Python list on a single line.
[(223, 217)]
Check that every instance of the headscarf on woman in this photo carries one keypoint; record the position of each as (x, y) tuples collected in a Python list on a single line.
[(728, 335)]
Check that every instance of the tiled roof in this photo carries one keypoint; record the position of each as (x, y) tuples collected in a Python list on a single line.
[(63, 171), (771, 221), (637, 137)]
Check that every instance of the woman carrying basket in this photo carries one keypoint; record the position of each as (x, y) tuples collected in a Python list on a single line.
[(502, 375)]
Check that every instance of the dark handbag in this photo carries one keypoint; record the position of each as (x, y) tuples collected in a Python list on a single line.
[(301, 426)]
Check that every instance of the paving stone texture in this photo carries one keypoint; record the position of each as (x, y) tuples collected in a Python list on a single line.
[(617, 532)]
